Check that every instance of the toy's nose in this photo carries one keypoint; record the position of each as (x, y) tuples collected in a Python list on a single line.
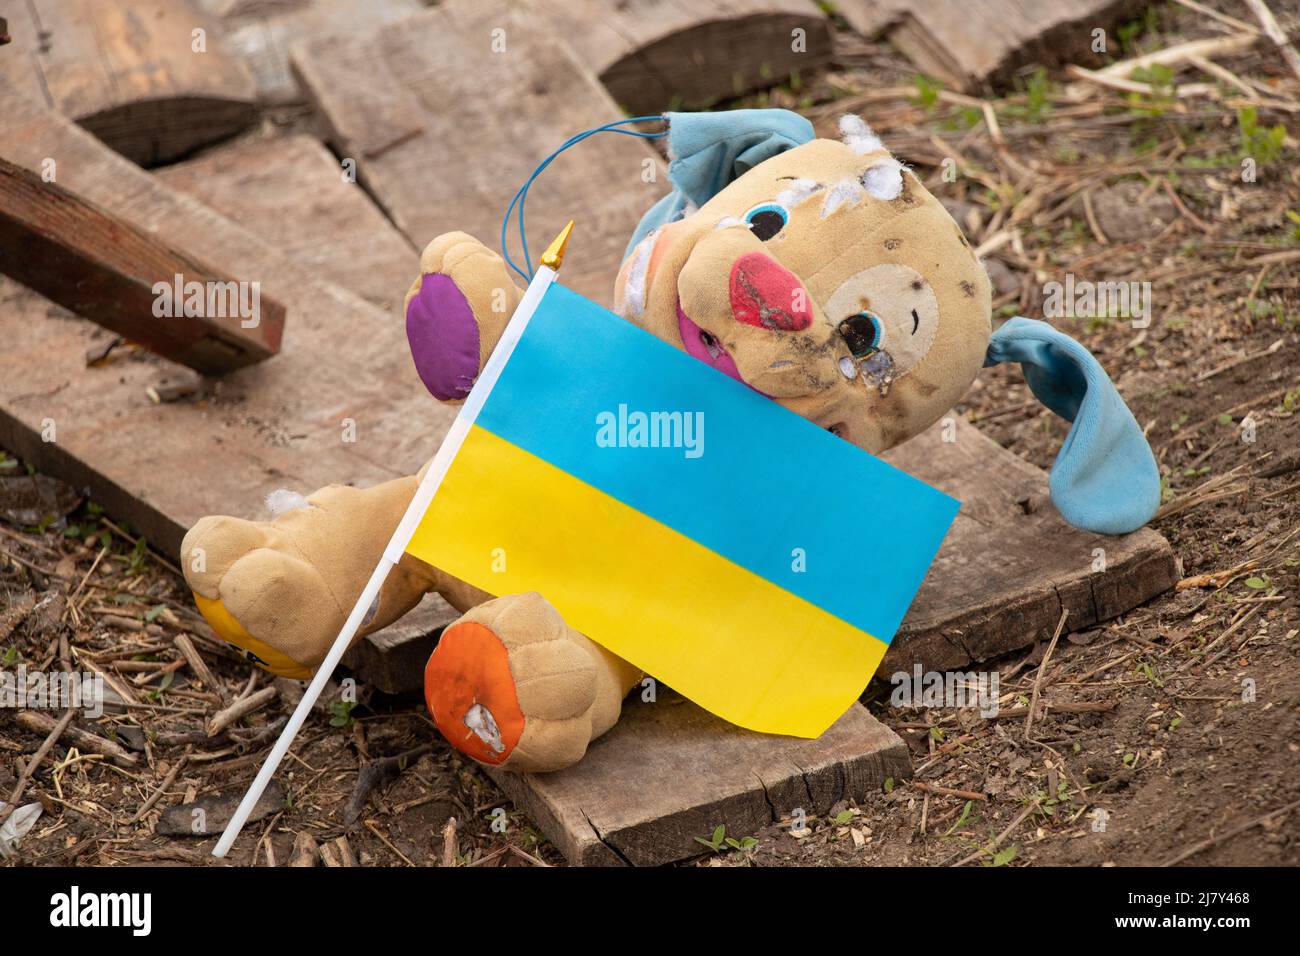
[(765, 294)]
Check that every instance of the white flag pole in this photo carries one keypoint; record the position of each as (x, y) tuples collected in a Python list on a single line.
[(428, 487)]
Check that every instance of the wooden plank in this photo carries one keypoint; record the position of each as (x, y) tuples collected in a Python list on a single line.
[(655, 55), (444, 130), (669, 772), (870, 18), (392, 660), (1010, 562), (281, 423), (262, 33), (979, 46), (294, 194), (104, 269), (131, 73)]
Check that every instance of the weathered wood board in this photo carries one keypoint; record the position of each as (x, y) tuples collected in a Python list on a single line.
[(295, 196), (262, 32), (136, 74), (1010, 562), (669, 772), (870, 18), (655, 55), (280, 424), (443, 129), (103, 268), (392, 660), (974, 46)]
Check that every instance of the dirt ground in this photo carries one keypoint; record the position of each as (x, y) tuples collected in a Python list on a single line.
[(1178, 734)]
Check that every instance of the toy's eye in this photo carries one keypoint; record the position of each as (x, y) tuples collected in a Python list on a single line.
[(767, 219), (861, 333)]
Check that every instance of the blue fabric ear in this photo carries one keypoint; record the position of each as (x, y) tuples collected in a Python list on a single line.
[(1105, 478), (706, 151)]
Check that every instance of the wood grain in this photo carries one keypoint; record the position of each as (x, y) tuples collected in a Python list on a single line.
[(979, 46), (293, 193), (103, 268), (130, 73), (655, 55), (264, 32), (1010, 562), (669, 772), (444, 130), (278, 424)]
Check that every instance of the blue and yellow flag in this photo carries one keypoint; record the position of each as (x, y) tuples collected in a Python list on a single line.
[(740, 554)]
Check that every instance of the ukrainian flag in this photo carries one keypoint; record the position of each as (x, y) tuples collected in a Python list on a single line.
[(742, 555)]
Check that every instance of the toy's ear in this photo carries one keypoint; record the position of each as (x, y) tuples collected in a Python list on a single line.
[(706, 151), (1105, 478)]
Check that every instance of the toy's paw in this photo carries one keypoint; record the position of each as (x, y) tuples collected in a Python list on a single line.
[(455, 312), (273, 606), (508, 687)]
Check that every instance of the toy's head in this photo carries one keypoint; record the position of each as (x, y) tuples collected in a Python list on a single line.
[(822, 274), (825, 277)]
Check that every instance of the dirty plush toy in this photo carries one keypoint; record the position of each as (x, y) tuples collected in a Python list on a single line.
[(818, 272)]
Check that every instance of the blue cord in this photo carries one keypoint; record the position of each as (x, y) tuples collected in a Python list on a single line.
[(522, 195)]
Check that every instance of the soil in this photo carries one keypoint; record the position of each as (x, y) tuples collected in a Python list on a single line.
[(1194, 757)]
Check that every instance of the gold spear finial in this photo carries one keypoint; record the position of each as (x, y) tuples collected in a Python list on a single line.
[(553, 257)]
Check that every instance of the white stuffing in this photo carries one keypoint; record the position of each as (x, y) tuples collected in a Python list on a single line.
[(884, 180), (282, 500), (728, 222), (480, 720), (857, 135), (797, 192), (633, 301), (844, 193)]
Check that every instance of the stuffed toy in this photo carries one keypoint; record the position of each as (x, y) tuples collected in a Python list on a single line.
[(818, 272)]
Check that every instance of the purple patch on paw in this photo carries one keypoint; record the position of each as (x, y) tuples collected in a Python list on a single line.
[(443, 334)]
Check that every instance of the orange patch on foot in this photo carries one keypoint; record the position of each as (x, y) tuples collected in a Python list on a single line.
[(471, 666)]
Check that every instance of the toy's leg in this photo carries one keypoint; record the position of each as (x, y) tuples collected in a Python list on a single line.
[(280, 590), (510, 684)]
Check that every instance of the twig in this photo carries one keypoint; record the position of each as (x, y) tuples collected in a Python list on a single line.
[(1232, 629), (370, 825), (1042, 667), (162, 788), (1047, 707), (1223, 18), (1215, 46), (1275, 33), (1091, 216), (997, 841), (82, 739), (525, 855), (946, 791), (197, 664), (29, 768), (449, 842), (1205, 844), (1239, 360), (240, 708)]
